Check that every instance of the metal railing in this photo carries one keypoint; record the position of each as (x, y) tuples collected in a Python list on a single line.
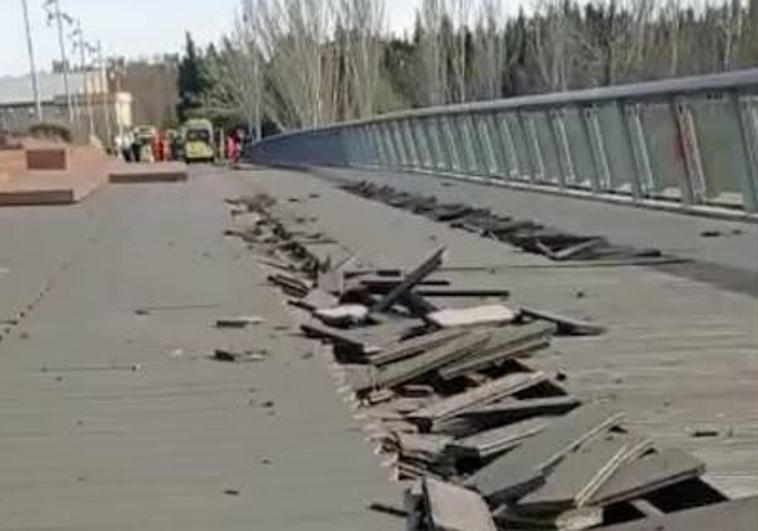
[(688, 143)]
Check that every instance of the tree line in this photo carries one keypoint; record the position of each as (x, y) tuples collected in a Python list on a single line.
[(302, 63)]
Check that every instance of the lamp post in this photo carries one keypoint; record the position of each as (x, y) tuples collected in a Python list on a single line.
[(32, 66), (53, 8)]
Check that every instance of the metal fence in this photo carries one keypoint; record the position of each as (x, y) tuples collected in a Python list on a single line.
[(689, 143)]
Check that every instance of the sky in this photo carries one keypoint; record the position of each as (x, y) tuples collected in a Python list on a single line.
[(134, 28)]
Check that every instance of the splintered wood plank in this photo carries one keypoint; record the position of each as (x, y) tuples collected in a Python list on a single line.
[(454, 508), (648, 473), (582, 472), (482, 394), (501, 438), (732, 515), (521, 470), (508, 409), (569, 520), (566, 325), (506, 342), (407, 370), (413, 278), (476, 315), (416, 345)]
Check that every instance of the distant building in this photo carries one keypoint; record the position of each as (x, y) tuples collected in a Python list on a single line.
[(111, 111)]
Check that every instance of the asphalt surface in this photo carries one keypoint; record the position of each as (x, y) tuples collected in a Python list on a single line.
[(112, 419)]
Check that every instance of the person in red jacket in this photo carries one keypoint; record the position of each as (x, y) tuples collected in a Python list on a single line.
[(231, 148), (157, 147)]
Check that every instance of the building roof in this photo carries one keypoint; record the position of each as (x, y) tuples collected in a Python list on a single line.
[(18, 90)]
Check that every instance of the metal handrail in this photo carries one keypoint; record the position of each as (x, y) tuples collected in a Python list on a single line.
[(688, 143)]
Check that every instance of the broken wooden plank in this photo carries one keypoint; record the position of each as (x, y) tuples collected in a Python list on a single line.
[(462, 292), (482, 394), (648, 473), (476, 315), (490, 442), (572, 251), (381, 285), (416, 345), (316, 299), (521, 470), (413, 278), (566, 325), (582, 472), (240, 321), (511, 409), (506, 342), (732, 515), (332, 281), (569, 520), (453, 508), (409, 369)]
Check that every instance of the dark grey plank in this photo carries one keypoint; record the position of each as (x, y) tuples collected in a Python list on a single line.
[(582, 472), (522, 469), (416, 345), (482, 394), (413, 278), (453, 508), (407, 370), (648, 473)]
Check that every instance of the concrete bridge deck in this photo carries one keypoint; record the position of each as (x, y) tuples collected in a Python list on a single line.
[(86, 442)]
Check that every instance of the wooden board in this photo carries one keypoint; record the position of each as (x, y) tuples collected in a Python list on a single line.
[(648, 473), (413, 278), (566, 325), (733, 515), (522, 469), (569, 520), (582, 472), (407, 370), (416, 345), (482, 394), (487, 442), (453, 508), (476, 315), (506, 342)]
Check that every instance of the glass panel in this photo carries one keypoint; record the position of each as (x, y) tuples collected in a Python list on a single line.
[(421, 143), (410, 144), (400, 146), (469, 141), (485, 142), (665, 150), (579, 145), (722, 152), (508, 125), (497, 145), (548, 149), (389, 145), (618, 152), (439, 132), (453, 141)]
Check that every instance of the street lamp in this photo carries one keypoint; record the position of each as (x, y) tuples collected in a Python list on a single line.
[(54, 13), (32, 66)]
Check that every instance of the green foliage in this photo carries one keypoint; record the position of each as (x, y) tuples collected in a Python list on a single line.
[(192, 80)]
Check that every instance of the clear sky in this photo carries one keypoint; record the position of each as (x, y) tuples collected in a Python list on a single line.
[(134, 28)]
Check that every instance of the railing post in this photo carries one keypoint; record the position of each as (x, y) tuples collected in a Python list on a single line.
[(693, 190), (567, 174), (514, 167), (642, 182), (532, 146), (601, 180), (749, 135)]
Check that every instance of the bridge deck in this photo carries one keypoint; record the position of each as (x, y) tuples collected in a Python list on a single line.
[(155, 448)]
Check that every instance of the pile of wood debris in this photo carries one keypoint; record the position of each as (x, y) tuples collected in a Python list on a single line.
[(529, 235), (484, 440)]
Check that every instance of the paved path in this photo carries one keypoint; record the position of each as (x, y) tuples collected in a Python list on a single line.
[(83, 447)]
